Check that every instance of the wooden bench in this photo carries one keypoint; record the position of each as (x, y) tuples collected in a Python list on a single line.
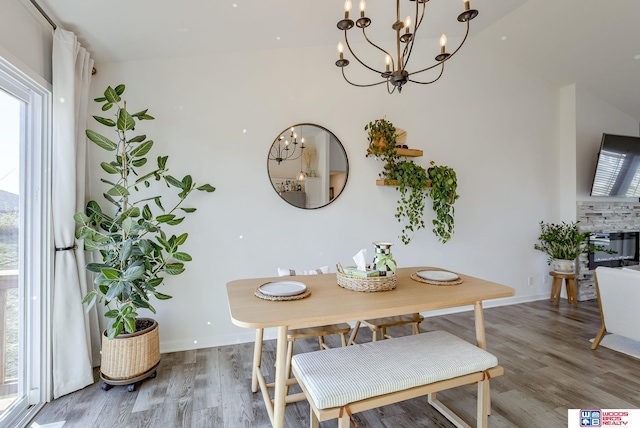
[(341, 381)]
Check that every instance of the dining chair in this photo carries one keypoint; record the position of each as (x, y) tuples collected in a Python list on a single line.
[(382, 324), (321, 332)]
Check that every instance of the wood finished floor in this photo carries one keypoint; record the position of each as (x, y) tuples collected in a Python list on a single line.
[(545, 351)]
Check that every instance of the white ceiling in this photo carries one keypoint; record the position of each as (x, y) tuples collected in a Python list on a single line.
[(592, 43)]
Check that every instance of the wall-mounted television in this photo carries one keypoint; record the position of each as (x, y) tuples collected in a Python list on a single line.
[(618, 168)]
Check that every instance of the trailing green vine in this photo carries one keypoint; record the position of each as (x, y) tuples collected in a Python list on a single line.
[(414, 183), (444, 185)]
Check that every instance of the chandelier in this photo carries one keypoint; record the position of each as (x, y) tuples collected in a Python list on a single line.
[(395, 73), (283, 151)]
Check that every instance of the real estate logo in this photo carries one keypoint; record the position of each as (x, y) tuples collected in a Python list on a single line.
[(590, 417)]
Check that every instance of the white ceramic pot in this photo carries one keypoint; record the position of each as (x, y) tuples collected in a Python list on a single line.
[(564, 266)]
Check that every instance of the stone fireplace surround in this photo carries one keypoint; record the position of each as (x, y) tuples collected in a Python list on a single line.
[(602, 217)]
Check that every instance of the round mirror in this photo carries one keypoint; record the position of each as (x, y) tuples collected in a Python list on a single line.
[(307, 166)]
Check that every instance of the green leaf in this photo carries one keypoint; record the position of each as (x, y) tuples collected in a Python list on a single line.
[(115, 329), (176, 221), (111, 95), (119, 89), (110, 273), (146, 213), (118, 190), (112, 313), (140, 113), (138, 139), (183, 257), (125, 121), (165, 217), (158, 203), (133, 272), (100, 100), (145, 246), (146, 117), (161, 296), (130, 325), (81, 218), (188, 210), (155, 282), (107, 106), (110, 199), (101, 141), (105, 121), (90, 295), (174, 268), (126, 250), (206, 188), (142, 149), (181, 239), (92, 302), (95, 267), (109, 168), (175, 183), (139, 162), (162, 161), (186, 182)]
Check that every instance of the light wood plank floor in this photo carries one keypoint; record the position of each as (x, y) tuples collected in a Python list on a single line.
[(545, 351)]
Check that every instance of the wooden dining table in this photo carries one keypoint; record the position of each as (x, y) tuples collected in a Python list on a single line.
[(329, 303)]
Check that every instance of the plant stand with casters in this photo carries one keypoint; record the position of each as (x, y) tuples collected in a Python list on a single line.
[(132, 384)]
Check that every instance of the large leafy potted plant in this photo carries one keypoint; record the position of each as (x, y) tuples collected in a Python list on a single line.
[(131, 236), (563, 243)]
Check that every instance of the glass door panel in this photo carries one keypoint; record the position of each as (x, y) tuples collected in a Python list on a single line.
[(11, 327)]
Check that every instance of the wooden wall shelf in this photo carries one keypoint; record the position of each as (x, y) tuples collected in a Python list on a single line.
[(410, 153), (393, 183)]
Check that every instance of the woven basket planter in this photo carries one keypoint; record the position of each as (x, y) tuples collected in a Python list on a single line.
[(129, 356)]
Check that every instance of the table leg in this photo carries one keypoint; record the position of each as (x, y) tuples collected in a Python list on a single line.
[(481, 340), (257, 359), (281, 378)]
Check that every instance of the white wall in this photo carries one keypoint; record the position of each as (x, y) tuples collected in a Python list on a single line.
[(26, 39), (488, 119), (595, 117)]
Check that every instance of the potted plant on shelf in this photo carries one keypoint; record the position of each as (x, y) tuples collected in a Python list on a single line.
[(563, 243), (415, 184), (130, 234)]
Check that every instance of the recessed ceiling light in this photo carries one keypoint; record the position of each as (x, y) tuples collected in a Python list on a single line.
[(235, 5), (244, 131), (503, 38), (636, 56), (277, 37)]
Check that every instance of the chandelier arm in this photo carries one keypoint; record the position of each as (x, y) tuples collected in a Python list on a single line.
[(346, 39), (449, 57), (359, 85), (415, 31), (392, 90), (393, 66), (432, 81)]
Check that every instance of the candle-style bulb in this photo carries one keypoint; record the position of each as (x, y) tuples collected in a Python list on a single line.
[(363, 4), (347, 6), (407, 23), (443, 40), (341, 50), (388, 61)]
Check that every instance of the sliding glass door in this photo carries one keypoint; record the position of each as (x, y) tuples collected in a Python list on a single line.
[(24, 245)]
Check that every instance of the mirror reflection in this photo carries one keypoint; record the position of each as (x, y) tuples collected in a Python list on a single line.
[(307, 166)]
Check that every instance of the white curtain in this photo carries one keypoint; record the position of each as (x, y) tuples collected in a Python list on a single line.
[(72, 326)]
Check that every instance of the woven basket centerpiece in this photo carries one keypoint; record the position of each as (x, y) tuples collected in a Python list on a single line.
[(368, 284)]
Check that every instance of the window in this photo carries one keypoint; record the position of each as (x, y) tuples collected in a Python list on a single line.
[(25, 250)]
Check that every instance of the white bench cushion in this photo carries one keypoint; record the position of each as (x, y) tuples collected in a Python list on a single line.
[(339, 376)]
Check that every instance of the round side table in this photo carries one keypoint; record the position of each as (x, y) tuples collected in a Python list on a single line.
[(556, 286)]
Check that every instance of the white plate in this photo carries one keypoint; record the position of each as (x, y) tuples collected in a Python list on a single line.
[(437, 275), (283, 288)]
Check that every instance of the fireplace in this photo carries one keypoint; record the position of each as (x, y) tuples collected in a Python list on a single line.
[(624, 243)]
